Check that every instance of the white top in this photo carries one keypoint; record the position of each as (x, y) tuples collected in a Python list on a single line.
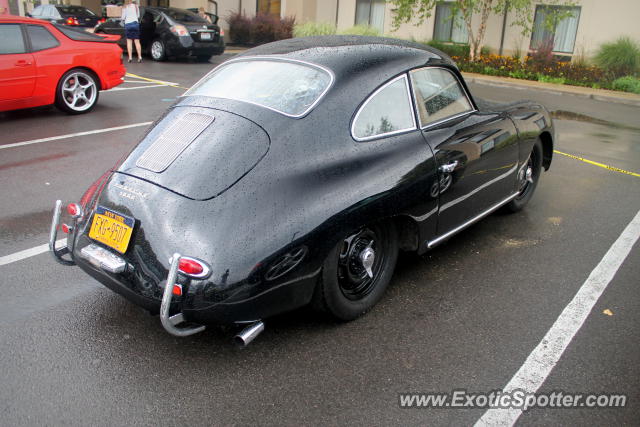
[(130, 13)]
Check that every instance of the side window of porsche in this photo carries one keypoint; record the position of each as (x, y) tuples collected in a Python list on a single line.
[(12, 40), (439, 95), (387, 111), (41, 38)]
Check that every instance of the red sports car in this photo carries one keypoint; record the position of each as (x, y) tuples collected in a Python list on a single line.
[(43, 63)]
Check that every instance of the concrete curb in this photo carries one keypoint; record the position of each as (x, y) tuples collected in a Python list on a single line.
[(596, 94)]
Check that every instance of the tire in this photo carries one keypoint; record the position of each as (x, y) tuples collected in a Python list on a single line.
[(77, 92), (345, 290), (528, 180), (203, 58), (157, 50)]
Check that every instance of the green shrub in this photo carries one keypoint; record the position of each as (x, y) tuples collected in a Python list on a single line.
[(313, 29), (627, 84), (361, 30), (549, 79), (620, 58), (459, 50)]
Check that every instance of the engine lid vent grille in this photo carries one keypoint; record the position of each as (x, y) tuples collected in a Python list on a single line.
[(173, 141)]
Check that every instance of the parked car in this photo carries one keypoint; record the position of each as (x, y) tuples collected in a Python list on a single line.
[(168, 31), (43, 63), (293, 174), (62, 14)]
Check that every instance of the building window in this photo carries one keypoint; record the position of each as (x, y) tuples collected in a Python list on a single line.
[(371, 13), (450, 25), (562, 33), (271, 7)]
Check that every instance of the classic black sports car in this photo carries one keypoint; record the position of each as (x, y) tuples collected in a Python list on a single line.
[(169, 31), (293, 174)]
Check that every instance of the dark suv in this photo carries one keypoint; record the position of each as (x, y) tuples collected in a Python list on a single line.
[(66, 15), (168, 31)]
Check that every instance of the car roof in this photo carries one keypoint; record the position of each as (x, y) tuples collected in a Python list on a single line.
[(343, 54)]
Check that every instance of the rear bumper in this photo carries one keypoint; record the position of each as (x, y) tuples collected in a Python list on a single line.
[(113, 78), (195, 306), (185, 46)]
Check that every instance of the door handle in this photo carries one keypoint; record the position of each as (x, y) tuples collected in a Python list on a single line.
[(22, 63), (448, 168)]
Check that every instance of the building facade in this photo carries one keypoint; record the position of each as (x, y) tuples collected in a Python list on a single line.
[(589, 24)]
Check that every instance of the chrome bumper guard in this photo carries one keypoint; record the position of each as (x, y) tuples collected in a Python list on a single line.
[(169, 322), (53, 234)]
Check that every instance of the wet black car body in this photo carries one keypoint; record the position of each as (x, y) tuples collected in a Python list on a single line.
[(166, 32), (288, 208), (71, 15)]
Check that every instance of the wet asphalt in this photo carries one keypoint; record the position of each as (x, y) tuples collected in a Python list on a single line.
[(464, 316)]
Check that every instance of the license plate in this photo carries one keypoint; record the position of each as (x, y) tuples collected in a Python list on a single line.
[(111, 228), (205, 36)]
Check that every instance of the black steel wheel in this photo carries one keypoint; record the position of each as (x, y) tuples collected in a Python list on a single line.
[(528, 178), (357, 271)]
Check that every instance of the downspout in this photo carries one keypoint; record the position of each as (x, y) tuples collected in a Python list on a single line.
[(337, 10), (504, 26)]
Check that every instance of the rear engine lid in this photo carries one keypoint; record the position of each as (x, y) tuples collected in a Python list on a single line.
[(198, 152)]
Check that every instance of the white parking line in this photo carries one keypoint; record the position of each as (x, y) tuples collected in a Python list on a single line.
[(28, 253), (72, 135), (544, 357)]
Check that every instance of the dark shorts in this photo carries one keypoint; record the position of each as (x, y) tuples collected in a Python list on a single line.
[(132, 30)]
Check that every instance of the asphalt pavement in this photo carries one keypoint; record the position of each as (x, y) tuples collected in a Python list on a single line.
[(467, 315)]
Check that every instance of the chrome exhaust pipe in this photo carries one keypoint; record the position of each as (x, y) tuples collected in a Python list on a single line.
[(249, 333)]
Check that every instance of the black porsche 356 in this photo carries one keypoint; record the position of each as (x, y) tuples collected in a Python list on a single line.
[(293, 174)]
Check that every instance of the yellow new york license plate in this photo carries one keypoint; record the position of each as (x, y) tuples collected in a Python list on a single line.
[(111, 228)]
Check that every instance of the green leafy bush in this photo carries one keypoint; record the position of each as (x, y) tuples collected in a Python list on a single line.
[(459, 50), (620, 58), (627, 84), (361, 30), (313, 29), (550, 79)]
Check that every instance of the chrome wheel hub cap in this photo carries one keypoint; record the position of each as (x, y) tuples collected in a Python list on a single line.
[(79, 91), (367, 258)]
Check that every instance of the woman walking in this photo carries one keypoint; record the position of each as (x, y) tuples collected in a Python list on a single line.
[(130, 18)]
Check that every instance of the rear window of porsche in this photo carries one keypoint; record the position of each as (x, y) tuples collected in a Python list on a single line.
[(290, 88)]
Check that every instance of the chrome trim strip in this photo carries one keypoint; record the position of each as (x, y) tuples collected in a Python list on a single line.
[(474, 191), (464, 90), (167, 295), (440, 239), (395, 132), (271, 58)]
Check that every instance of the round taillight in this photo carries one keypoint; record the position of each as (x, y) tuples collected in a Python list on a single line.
[(190, 267), (74, 210)]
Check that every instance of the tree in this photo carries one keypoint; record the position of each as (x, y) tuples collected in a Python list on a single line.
[(406, 10)]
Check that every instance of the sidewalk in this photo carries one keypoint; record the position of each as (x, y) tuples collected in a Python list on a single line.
[(585, 92)]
